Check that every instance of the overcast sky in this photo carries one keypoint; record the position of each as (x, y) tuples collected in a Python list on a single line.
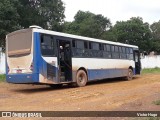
[(115, 10)]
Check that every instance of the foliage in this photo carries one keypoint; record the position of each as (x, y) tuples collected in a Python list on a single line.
[(155, 28), (16, 14), (157, 102), (87, 24), (2, 78), (48, 14), (134, 32), (151, 70), (9, 18)]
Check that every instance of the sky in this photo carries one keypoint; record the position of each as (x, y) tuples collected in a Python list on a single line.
[(115, 10)]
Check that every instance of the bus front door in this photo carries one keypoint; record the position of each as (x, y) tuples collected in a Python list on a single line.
[(64, 61), (137, 62)]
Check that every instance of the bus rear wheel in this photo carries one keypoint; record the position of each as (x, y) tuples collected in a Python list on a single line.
[(130, 74), (81, 78)]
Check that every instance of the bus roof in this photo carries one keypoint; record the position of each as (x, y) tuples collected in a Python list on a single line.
[(73, 36)]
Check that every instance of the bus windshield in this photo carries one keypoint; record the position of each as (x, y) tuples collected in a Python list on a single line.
[(19, 43)]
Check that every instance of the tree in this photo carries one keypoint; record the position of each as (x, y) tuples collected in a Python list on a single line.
[(48, 14), (155, 28), (16, 14), (87, 24), (8, 19), (135, 32)]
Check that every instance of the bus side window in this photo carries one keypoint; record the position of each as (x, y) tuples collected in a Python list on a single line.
[(116, 52), (80, 44), (131, 53), (73, 43), (101, 47), (108, 48), (85, 44), (95, 46), (47, 45), (90, 45), (120, 52), (127, 53), (113, 51), (123, 55)]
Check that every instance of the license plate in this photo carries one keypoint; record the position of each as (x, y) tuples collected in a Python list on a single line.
[(19, 71)]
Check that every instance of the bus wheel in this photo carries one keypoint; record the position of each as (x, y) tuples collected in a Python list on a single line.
[(130, 74), (81, 78)]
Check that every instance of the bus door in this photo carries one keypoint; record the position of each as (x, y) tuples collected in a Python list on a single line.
[(64, 60), (137, 62)]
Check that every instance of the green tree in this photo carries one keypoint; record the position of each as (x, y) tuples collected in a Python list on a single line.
[(155, 28), (87, 24), (135, 32), (16, 14), (8, 19), (48, 14)]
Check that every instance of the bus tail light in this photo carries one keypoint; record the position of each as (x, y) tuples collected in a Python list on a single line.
[(31, 67)]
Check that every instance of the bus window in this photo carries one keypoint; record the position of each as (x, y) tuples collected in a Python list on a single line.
[(112, 48), (131, 50), (85, 44), (108, 47), (95, 46), (47, 45), (123, 50), (73, 43), (101, 47), (90, 45), (120, 49), (116, 49), (80, 44)]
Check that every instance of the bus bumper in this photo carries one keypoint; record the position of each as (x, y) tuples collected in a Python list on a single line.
[(22, 78)]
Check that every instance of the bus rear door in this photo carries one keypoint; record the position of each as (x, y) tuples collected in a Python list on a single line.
[(137, 62), (64, 60)]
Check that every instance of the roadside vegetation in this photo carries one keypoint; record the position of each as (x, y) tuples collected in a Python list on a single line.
[(157, 102), (151, 70), (2, 78)]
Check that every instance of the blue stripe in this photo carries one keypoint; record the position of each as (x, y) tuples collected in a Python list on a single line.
[(106, 73), (22, 78)]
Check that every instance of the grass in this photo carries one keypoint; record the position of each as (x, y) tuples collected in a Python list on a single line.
[(2, 78), (151, 70), (157, 102)]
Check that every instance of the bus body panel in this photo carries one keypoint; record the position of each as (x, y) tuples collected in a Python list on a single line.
[(103, 68), (44, 63)]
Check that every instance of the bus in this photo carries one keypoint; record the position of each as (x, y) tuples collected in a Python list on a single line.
[(38, 56)]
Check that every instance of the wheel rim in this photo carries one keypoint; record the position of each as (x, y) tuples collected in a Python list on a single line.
[(81, 78), (130, 74)]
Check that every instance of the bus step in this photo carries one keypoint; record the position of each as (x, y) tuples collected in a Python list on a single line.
[(62, 66), (62, 73), (62, 78)]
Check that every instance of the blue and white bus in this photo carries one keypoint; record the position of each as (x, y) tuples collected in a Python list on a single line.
[(39, 56)]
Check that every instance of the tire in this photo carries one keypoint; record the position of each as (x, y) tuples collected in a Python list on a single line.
[(81, 79), (130, 74)]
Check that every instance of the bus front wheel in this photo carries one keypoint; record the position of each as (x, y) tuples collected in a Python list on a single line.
[(130, 74), (81, 78)]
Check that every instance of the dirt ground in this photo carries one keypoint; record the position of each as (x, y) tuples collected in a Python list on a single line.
[(105, 95)]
